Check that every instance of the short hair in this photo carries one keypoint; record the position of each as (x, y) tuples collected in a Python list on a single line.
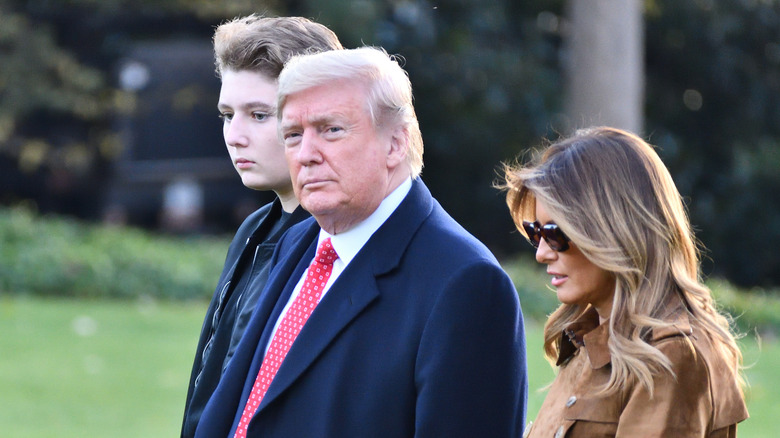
[(390, 100), (614, 198), (265, 44)]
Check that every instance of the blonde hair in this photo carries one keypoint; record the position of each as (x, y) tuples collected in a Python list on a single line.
[(390, 101), (264, 44), (613, 197)]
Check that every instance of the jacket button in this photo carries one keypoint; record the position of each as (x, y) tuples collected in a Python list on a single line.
[(570, 402), (559, 432)]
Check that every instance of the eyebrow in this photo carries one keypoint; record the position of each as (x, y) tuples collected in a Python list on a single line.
[(249, 105), (327, 118)]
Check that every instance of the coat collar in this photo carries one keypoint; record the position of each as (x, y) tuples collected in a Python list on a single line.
[(585, 332), (258, 232)]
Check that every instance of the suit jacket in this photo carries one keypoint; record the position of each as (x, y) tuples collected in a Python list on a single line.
[(228, 314), (421, 335)]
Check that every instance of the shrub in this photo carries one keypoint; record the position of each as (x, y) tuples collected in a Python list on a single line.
[(753, 309), (537, 298), (57, 256)]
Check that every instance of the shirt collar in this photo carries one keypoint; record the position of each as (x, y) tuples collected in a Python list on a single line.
[(349, 243), (585, 332)]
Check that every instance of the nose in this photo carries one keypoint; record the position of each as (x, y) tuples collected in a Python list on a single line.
[(309, 148), (235, 133), (545, 254)]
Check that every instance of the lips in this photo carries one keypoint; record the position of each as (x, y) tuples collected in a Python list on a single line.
[(243, 163), (557, 279), (313, 182)]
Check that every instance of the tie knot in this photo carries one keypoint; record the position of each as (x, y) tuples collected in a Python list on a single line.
[(326, 255)]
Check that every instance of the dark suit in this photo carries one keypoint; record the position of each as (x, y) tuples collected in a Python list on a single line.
[(421, 335), (248, 260)]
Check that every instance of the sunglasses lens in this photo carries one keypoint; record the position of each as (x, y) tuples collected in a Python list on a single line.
[(532, 232), (555, 237)]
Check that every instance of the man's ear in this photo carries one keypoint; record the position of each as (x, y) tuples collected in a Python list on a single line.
[(399, 147)]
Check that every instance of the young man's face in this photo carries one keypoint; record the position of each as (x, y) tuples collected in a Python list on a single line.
[(247, 103)]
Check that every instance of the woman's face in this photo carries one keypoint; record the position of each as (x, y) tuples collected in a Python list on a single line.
[(576, 279)]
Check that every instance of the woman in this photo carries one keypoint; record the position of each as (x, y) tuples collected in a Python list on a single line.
[(641, 349)]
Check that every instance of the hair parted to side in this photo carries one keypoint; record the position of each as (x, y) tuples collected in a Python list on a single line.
[(614, 198), (265, 44), (390, 100)]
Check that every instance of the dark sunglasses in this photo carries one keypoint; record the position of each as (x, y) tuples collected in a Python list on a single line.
[(550, 233)]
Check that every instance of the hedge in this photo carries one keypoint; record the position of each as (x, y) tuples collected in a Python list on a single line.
[(63, 257)]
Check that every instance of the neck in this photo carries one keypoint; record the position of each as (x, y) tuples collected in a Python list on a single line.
[(288, 200), (604, 312)]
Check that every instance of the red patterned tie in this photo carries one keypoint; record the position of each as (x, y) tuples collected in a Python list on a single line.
[(292, 323)]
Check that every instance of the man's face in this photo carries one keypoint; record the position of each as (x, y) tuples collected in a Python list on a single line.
[(247, 103), (341, 166)]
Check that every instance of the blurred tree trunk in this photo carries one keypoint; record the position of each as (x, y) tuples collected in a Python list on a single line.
[(604, 72)]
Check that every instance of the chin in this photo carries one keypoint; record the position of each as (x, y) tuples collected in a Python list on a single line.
[(564, 299), (315, 209), (255, 183), (258, 187), (317, 201)]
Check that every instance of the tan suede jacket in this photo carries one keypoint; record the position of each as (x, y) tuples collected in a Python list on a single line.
[(703, 401)]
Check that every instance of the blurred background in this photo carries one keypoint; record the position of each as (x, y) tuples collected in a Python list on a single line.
[(108, 107), (118, 200)]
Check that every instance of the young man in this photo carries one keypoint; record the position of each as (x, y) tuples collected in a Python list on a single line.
[(401, 324), (250, 53)]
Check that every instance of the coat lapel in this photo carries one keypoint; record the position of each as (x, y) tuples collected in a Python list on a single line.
[(337, 309), (225, 406), (266, 302)]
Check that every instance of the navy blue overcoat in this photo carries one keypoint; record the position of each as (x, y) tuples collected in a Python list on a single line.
[(420, 336)]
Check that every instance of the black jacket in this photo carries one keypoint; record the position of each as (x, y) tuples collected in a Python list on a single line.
[(232, 304)]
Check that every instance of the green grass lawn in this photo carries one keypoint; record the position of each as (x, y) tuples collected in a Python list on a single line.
[(76, 368), (71, 368)]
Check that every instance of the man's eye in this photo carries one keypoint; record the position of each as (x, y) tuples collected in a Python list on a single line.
[(291, 137), (226, 116)]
